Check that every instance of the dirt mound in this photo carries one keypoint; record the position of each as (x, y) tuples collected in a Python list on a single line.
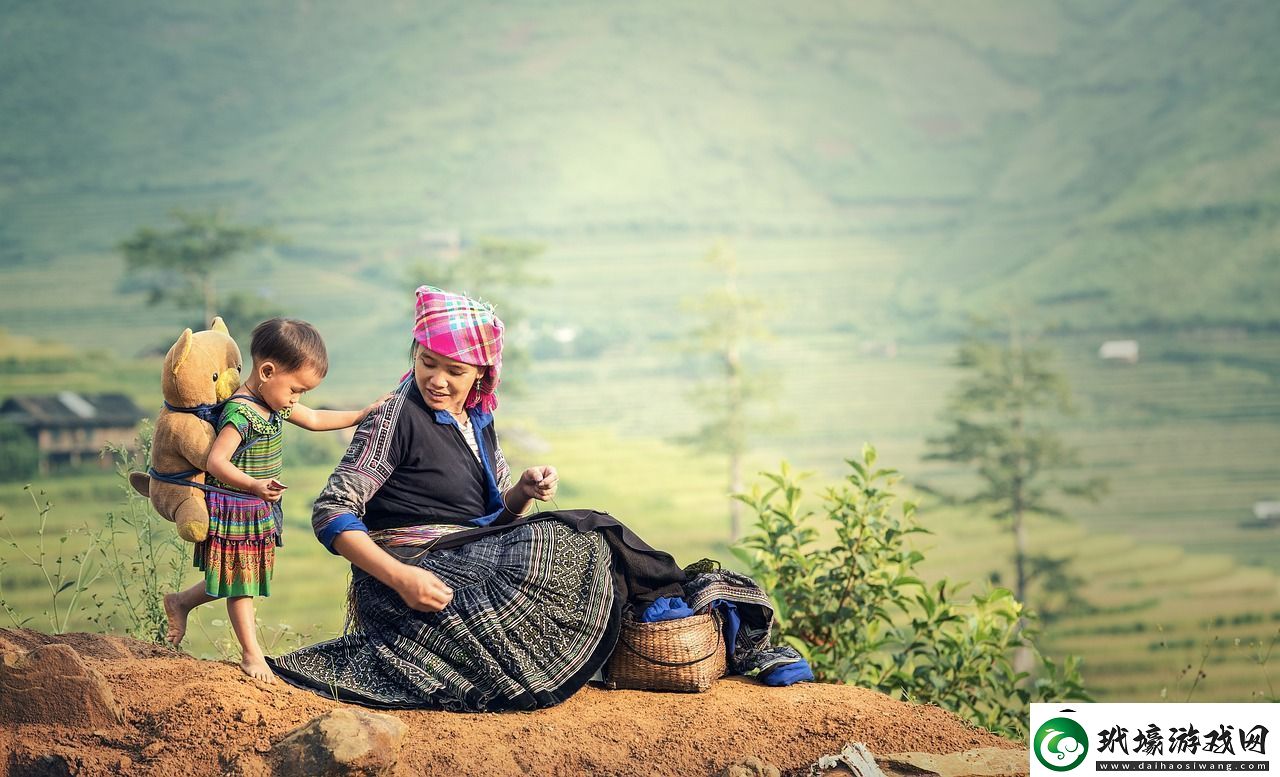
[(184, 716)]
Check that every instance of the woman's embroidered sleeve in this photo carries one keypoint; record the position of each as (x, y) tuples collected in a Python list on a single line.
[(501, 471), (368, 462)]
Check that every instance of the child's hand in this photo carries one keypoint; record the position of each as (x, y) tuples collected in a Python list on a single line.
[(268, 490), (374, 406)]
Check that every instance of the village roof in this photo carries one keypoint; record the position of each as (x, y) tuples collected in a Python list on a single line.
[(70, 409)]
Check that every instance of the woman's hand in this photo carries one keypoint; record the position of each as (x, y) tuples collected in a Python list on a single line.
[(267, 489), (422, 590), (538, 483)]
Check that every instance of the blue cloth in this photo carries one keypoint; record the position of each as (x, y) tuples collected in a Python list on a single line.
[(344, 522), (729, 616), (787, 674), (782, 674), (666, 608)]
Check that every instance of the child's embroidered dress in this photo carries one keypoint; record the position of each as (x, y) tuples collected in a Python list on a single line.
[(239, 555)]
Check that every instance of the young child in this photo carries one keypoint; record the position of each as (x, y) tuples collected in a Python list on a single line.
[(238, 557)]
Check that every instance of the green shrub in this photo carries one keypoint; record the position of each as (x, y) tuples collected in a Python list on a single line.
[(858, 612), (19, 456)]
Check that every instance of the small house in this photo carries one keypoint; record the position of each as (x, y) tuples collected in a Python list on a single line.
[(1121, 351), (1267, 512), (70, 428)]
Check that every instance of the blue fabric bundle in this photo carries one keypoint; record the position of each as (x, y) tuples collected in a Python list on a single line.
[(787, 674), (666, 608)]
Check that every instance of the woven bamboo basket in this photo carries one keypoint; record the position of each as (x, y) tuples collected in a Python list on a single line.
[(686, 654)]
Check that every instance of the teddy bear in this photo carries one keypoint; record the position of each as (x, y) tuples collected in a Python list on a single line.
[(201, 370)]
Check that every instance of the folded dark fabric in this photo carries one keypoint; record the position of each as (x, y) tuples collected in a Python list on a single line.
[(644, 573), (751, 650)]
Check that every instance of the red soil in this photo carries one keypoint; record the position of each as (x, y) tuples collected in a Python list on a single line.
[(185, 716)]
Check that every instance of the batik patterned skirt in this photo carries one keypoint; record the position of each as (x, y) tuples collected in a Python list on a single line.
[(533, 617), (238, 557)]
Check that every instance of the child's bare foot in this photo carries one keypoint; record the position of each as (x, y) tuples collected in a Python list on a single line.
[(256, 667), (177, 615)]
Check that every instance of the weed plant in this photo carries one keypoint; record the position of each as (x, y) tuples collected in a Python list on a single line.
[(66, 572), (141, 552)]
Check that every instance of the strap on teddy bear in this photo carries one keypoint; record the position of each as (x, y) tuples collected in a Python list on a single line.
[(210, 413), (207, 412)]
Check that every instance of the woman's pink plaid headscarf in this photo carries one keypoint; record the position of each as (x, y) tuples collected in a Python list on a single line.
[(464, 330)]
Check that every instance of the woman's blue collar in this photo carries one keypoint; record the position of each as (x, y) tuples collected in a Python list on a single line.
[(479, 418)]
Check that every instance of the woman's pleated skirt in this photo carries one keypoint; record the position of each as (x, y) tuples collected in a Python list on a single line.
[(533, 617)]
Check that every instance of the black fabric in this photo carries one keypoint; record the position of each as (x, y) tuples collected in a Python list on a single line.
[(641, 573), (436, 478)]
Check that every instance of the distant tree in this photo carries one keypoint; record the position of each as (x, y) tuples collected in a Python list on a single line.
[(241, 313), (498, 272), (180, 265), (728, 322), (998, 426), (19, 456)]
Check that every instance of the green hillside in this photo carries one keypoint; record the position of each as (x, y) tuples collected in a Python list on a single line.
[(1114, 162)]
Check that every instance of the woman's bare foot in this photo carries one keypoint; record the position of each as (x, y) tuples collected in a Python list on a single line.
[(177, 615), (256, 667)]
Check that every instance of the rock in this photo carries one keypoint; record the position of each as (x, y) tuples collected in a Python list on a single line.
[(48, 765), (749, 767), (854, 759), (341, 742), (981, 761), (124, 764), (53, 685), (152, 750)]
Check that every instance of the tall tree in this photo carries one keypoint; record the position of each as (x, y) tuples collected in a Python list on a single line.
[(497, 271), (999, 425), (181, 264), (728, 323)]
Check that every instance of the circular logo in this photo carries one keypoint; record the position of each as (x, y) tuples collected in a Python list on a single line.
[(1060, 744)]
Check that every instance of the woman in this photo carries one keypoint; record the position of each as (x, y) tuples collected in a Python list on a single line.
[(457, 601)]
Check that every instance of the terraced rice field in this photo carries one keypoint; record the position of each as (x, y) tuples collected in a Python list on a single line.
[(1189, 439), (1155, 605)]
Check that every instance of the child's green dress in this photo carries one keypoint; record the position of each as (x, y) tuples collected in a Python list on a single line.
[(238, 556)]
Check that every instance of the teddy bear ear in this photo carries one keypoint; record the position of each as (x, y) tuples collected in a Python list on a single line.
[(219, 326), (182, 348)]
